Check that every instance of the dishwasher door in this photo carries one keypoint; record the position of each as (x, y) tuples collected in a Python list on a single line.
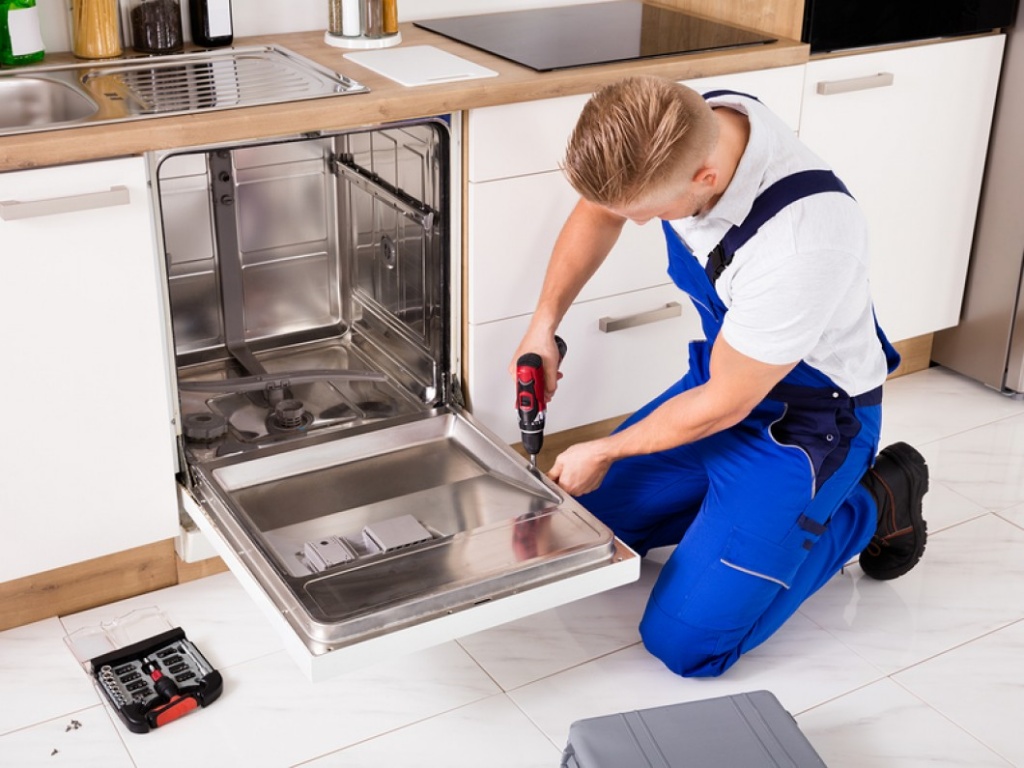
[(385, 542), (312, 287)]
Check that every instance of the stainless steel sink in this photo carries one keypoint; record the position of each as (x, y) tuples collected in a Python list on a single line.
[(52, 97), (31, 103)]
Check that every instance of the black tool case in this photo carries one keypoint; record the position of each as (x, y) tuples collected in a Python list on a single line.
[(747, 730), (130, 680), (148, 670)]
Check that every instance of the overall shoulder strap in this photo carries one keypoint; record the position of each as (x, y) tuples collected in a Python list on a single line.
[(783, 192)]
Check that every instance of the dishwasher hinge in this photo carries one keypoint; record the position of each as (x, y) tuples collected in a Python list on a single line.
[(333, 164), (456, 395), (184, 475)]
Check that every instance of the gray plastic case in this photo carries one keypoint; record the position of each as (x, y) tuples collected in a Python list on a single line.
[(747, 730)]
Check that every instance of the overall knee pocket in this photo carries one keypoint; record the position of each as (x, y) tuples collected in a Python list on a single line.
[(736, 589), (695, 618)]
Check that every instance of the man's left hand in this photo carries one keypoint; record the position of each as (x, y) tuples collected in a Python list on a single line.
[(581, 468)]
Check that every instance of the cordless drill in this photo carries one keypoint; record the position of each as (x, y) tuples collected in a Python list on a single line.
[(530, 402)]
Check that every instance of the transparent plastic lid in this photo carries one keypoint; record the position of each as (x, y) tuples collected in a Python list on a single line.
[(112, 634)]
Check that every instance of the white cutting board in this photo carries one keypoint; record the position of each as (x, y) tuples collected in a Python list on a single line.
[(419, 65)]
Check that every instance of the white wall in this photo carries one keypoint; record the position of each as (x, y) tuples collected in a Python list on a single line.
[(259, 17)]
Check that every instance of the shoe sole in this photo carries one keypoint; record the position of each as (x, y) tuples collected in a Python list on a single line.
[(916, 469)]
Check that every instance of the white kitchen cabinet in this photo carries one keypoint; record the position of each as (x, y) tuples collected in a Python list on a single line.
[(907, 131), (88, 453), (517, 139), (517, 201), (530, 137), (780, 89)]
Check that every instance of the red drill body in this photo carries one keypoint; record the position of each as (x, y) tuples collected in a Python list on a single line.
[(530, 402)]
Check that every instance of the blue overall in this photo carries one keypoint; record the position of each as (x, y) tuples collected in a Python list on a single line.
[(765, 512)]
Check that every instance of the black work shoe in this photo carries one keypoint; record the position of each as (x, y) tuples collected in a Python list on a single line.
[(898, 482)]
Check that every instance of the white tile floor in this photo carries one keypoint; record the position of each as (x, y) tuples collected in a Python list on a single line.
[(922, 671)]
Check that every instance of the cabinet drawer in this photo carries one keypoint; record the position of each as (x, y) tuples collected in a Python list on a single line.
[(518, 139), (607, 373), (513, 226)]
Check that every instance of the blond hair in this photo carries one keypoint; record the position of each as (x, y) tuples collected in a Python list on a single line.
[(635, 135)]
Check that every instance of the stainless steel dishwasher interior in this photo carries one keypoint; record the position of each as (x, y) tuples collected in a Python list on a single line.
[(61, 96), (311, 303)]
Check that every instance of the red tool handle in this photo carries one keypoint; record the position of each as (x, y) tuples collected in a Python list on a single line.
[(530, 403), (176, 704), (529, 390), (177, 707)]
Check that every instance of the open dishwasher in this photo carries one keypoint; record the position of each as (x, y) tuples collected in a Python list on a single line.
[(313, 288)]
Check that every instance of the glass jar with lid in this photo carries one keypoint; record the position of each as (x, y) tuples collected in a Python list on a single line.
[(155, 26)]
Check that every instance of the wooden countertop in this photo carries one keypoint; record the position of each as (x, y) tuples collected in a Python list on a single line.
[(387, 100)]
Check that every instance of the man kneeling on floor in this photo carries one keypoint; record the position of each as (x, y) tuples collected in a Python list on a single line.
[(760, 463)]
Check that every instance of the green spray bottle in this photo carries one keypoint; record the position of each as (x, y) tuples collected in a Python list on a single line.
[(20, 40)]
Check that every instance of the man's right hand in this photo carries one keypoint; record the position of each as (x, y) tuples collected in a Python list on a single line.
[(543, 344)]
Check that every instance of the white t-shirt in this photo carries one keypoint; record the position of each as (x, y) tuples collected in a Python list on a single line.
[(798, 289)]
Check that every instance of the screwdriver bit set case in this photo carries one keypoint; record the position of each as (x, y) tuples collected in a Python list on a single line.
[(146, 669)]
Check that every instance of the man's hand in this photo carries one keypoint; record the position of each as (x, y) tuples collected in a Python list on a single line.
[(544, 345), (581, 468)]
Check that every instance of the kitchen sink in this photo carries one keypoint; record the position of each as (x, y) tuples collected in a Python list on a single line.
[(62, 96), (31, 103)]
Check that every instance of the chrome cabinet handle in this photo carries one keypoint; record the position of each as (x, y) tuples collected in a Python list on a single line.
[(666, 312), (831, 87), (11, 210)]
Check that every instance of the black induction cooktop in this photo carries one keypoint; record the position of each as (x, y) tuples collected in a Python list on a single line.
[(595, 33)]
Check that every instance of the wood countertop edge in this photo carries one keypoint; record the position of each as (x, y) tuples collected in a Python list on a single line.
[(387, 101)]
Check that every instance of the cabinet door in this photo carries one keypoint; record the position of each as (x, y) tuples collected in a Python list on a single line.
[(610, 372), (907, 130), (88, 464), (513, 223)]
